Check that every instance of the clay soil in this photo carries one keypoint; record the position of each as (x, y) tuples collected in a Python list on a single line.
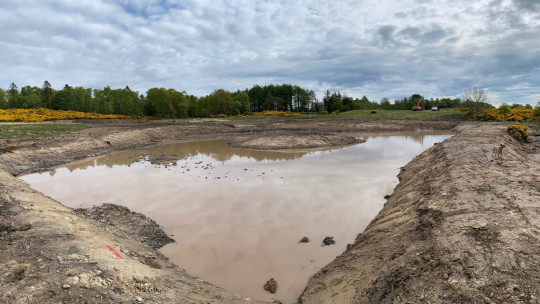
[(460, 227)]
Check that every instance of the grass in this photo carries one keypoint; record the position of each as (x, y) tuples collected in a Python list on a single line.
[(34, 130), (535, 125), (402, 114), (381, 114)]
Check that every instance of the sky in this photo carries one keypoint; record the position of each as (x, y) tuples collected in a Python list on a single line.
[(376, 48)]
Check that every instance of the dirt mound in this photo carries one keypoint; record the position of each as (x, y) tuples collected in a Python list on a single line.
[(128, 223), (294, 142)]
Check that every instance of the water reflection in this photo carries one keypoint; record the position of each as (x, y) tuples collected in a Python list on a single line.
[(237, 214), (218, 150)]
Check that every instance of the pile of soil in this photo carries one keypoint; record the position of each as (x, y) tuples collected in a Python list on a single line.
[(461, 227)]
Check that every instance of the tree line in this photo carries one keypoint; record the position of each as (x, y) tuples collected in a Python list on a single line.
[(161, 102)]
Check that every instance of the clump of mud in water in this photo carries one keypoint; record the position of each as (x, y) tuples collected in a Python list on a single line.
[(136, 225)]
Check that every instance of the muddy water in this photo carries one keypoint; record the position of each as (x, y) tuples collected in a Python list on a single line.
[(238, 214)]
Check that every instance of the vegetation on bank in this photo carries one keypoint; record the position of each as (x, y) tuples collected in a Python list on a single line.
[(519, 132), (42, 114), (281, 100), (35, 130)]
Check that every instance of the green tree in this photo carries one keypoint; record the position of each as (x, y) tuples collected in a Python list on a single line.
[(3, 99), (220, 102), (82, 99), (12, 94), (504, 109), (159, 102), (241, 103), (274, 103), (46, 94), (179, 103), (31, 97), (336, 105), (62, 100)]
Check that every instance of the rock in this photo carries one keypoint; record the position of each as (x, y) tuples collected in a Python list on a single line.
[(329, 240), (139, 299), (271, 286), (72, 280), (66, 286), (304, 240), (387, 196)]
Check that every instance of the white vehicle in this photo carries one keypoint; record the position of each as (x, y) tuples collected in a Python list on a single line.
[(434, 109)]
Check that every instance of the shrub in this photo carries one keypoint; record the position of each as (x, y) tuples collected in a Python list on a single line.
[(324, 112), (373, 111), (43, 114), (518, 132), (505, 114)]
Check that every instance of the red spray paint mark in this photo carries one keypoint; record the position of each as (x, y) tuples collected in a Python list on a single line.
[(114, 251)]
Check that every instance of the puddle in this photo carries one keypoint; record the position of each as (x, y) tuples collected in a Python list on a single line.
[(238, 215)]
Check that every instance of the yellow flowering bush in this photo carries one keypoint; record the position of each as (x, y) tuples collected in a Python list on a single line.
[(373, 111), (276, 113), (510, 115), (217, 115), (43, 114), (519, 132)]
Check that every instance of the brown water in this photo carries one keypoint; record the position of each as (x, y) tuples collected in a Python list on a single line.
[(237, 215)]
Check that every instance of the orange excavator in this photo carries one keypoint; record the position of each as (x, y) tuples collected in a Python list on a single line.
[(419, 105)]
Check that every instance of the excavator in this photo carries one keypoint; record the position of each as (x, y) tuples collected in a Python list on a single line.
[(419, 105)]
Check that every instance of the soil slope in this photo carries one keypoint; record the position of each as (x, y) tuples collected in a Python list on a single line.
[(461, 227)]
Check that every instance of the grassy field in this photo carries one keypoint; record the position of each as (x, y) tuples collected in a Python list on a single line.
[(402, 114), (34, 130), (380, 114)]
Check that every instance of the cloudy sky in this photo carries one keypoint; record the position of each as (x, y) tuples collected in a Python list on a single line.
[(377, 48)]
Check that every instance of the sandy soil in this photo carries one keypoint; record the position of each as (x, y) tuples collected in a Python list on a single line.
[(460, 227)]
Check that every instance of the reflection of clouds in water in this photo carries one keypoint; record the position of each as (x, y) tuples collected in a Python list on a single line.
[(217, 150), (336, 193)]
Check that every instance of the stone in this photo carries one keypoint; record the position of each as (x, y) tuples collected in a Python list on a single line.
[(270, 286), (329, 240), (304, 240)]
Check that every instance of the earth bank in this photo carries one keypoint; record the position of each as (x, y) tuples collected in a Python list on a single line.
[(459, 226)]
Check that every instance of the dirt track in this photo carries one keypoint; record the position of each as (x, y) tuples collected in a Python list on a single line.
[(460, 227)]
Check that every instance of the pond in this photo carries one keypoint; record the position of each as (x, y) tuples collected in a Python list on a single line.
[(237, 214)]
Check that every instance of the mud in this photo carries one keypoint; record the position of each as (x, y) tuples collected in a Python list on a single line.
[(460, 227)]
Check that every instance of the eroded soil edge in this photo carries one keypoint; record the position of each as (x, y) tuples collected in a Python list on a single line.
[(461, 227)]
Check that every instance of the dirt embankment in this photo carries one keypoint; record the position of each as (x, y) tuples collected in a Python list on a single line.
[(460, 227)]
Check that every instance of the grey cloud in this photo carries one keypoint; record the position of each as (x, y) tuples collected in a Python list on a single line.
[(385, 35), (382, 48), (531, 5)]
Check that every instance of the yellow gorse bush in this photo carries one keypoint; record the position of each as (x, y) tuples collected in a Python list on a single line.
[(519, 132), (43, 114), (276, 113), (512, 115)]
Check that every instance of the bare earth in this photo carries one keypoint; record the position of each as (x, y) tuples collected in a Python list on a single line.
[(460, 227)]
